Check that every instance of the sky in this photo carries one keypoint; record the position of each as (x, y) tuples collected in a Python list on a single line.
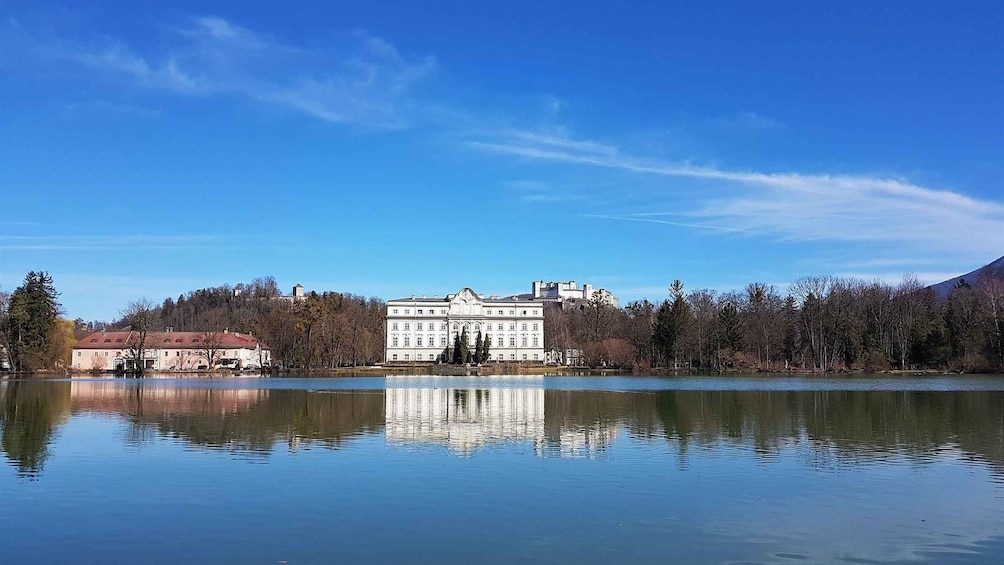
[(399, 148)]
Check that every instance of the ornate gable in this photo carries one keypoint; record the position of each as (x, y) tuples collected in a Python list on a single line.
[(466, 303)]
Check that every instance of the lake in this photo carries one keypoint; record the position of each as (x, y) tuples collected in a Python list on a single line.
[(503, 470)]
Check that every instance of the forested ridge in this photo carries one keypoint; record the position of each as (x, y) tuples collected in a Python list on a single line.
[(818, 324)]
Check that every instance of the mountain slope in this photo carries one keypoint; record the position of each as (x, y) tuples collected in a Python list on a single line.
[(994, 270)]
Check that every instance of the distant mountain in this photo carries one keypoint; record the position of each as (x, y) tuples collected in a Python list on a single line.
[(995, 270)]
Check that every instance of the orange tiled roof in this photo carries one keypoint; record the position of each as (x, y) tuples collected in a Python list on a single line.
[(165, 340)]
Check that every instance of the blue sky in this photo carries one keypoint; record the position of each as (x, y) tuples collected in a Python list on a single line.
[(397, 148)]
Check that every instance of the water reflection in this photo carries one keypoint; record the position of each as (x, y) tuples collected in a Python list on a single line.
[(464, 419), (829, 428), (29, 416)]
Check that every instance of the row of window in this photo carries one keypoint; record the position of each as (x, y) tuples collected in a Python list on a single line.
[(432, 357), (498, 341), (419, 326), (442, 312), (166, 353)]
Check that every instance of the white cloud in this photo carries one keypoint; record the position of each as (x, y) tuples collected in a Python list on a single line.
[(106, 107), (895, 213), (105, 242), (750, 120), (364, 82)]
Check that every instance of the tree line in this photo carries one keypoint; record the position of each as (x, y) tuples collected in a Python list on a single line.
[(321, 330), (821, 324)]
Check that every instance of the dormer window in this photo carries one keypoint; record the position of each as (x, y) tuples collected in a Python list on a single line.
[(119, 340), (109, 340)]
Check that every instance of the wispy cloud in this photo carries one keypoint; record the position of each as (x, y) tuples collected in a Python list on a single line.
[(538, 192), (363, 80), (640, 218), (105, 242), (106, 107), (749, 120), (893, 278), (787, 206)]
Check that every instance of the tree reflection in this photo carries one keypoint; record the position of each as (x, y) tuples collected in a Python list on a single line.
[(30, 415)]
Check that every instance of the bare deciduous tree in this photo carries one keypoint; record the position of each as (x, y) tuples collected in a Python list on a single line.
[(210, 348), (142, 316)]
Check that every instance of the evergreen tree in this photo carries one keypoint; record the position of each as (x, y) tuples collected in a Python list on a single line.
[(30, 322), (465, 347), (486, 352), (730, 327), (478, 346), (457, 352), (671, 323)]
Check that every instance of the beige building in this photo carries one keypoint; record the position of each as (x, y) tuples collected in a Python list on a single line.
[(170, 351), (423, 329)]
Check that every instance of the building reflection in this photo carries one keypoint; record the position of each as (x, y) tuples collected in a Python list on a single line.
[(113, 398), (465, 419)]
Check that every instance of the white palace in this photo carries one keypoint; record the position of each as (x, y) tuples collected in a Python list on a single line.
[(422, 329)]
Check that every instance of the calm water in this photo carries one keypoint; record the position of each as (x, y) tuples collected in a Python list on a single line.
[(503, 470)]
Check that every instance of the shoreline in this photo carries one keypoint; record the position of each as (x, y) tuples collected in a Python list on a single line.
[(489, 370)]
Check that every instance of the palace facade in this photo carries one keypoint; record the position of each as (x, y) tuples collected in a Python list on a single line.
[(424, 329)]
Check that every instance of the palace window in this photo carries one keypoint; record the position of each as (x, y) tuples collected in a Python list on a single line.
[(407, 311), (524, 326), (432, 340), (524, 356), (393, 341), (512, 341), (512, 356), (394, 357), (442, 326), (418, 341), (420, 312), (536, 341), (418, 326), (407, 357), (535, 357), (393, 326), (407, 326), (394, 311), (512, 312), (407, 341), (500, 357), (442, 341), (524, 312), (512, 327), (523, 340)]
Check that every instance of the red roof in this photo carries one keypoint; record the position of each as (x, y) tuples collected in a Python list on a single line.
[(165, 340)]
